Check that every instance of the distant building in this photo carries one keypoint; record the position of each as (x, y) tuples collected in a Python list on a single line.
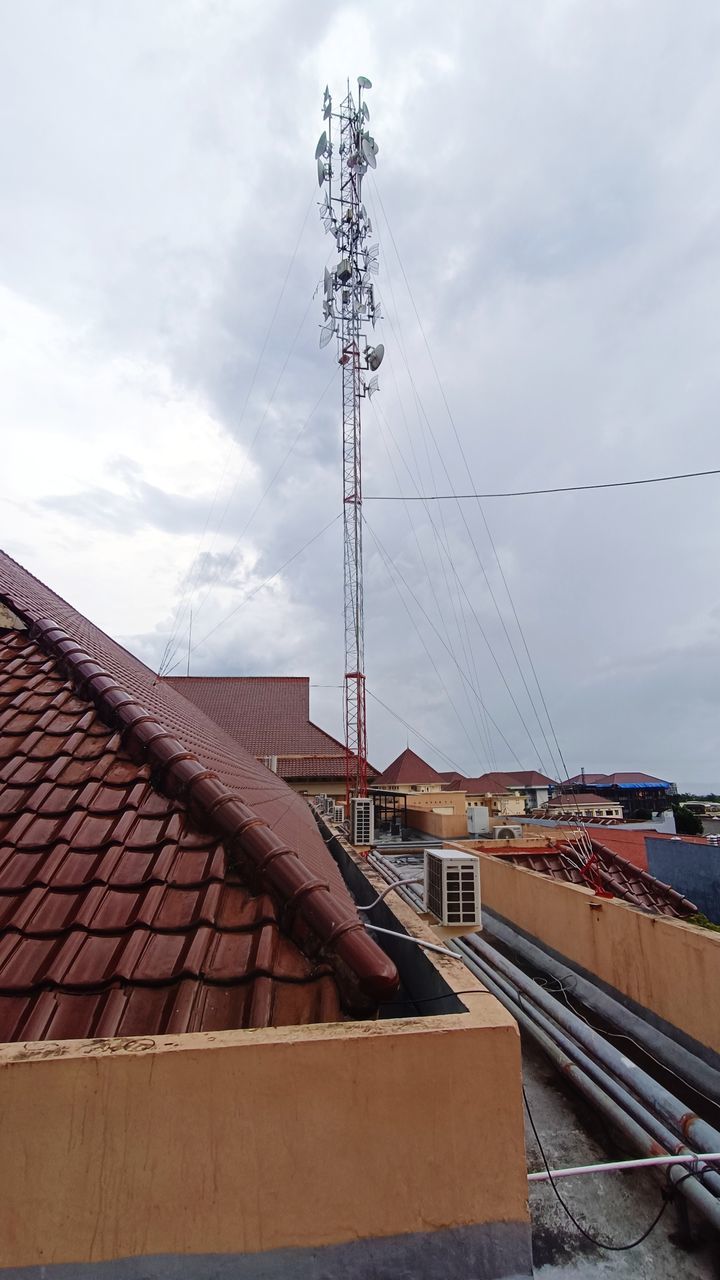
[(270, 717), (584, 805), (409, 772), (490, 790), (637, 793)]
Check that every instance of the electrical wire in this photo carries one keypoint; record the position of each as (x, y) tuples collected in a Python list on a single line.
[(560, 771), (256, 589), (411, 728), (427, 617), (391, 888), (602, 1244), (529, 493)]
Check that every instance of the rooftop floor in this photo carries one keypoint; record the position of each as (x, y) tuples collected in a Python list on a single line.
[(617, 1207)]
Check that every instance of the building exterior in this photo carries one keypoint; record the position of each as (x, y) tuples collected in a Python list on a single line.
[(270, 717), (584, 805), (408, 772), (638, 793), (489, 789)]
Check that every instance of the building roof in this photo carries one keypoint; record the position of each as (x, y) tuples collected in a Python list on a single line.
[(408, 767), (630, 780), (616, 875), (154, 877), (268, 716), (485, 784), (498, 782), (580, 798)]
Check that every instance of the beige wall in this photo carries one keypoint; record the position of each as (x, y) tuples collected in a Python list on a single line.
[(452, 800), (446, 826), (244, 1141), (668, 967)]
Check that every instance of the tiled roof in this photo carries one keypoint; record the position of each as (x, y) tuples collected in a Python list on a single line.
[(529, 778), (577, 798), (616, 875), (615, 780), (269, 716), (498, 782), (486, 784), (408, 767), (153, 876)]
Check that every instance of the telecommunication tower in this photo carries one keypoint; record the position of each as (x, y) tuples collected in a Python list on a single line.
[(349, 307)]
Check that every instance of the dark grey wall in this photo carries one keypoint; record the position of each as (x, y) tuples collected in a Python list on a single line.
[(692, 869)]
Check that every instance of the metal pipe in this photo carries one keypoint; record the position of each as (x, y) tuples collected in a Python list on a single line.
[(632, 1106), (680, 1061), (620, 1166), (702, 1135), (691, 1188)]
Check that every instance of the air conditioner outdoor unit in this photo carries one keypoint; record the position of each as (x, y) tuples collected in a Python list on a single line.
[(452, 887), (339, 813), (508, 833), (362, 820)]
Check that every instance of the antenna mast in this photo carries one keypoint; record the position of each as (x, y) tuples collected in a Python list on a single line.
[(348, 307)]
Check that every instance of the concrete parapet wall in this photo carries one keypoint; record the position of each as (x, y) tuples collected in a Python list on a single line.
[(445, 826), (666, 966), (279, 1142)]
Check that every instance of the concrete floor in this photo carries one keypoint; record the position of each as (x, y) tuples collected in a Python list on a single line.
[(616, 1206)]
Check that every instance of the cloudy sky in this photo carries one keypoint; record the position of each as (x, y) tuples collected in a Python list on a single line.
[(547, 201)]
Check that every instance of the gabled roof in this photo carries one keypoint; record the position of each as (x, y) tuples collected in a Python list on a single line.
[(616, 875), (486, 784), (498, 782), (577, 798), (153, 876), (268, 716), (615, 780), (409, 768)]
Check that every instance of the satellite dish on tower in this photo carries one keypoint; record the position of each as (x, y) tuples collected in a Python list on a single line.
[(369, 153), (321, 173), (375, 356), (364, 83), (321, 147)]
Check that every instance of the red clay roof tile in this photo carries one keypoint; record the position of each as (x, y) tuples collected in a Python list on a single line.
[(107, 884)]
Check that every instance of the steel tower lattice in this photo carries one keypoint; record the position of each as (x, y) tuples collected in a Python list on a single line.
[(349, 306)]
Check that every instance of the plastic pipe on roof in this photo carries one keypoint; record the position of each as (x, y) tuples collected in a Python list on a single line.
[(638, 1110), (691, 1188), (658, 1099), (699, 1075)]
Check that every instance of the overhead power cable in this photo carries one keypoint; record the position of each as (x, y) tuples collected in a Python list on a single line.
[(528, 493), (258, 588), (563, 772), (411, 729)]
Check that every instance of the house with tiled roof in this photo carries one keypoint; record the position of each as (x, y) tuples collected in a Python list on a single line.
[(639, 794), (490, 790), (409, 772), (270, 717), (201, 1039)]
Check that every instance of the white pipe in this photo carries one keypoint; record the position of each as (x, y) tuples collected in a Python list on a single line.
[(406, 937), (693, 1164), (395, 885)]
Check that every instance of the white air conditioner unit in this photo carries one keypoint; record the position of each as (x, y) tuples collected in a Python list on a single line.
[(339, 813), (478, 820), (452, 887), (507, 833), (362, 820)]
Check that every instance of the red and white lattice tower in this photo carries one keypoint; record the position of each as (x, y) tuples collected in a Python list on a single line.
[(349, 307)]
